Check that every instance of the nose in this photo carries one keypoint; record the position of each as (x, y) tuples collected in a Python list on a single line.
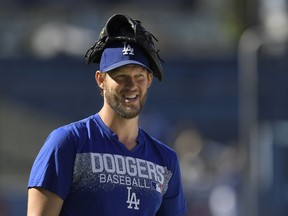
[(130, 83)]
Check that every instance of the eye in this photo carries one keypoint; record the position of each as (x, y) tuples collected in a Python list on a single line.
[(140, 76), (119, 77)]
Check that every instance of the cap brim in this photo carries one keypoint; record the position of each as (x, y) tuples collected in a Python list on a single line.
[(125, 62)]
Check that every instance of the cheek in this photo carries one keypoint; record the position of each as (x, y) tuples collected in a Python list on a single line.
[(107, 85), (111, 88), (144, 89)]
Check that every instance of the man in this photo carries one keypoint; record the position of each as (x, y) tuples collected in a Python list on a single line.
[(105, 164)]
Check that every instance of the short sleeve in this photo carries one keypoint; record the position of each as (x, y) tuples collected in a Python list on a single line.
[(53, 166), (173, 203)]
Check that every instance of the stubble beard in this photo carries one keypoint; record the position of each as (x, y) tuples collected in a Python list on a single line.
[(127, 112)]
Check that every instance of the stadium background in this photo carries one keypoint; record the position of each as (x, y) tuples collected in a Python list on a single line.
[(222, 105)]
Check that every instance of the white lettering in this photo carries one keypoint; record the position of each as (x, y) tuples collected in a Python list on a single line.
[(128, 180), (97, 162), (122, 180), (134, 182), (127, 49), (102, 178), (130, 166), (116, 179), (151, 170), (141, 168), (109, 179), (120, 164), (132, 200), (160, 172), (133, 167), (109, 164)]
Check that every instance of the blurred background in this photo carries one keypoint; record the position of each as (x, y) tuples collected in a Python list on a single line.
[(223, 103)]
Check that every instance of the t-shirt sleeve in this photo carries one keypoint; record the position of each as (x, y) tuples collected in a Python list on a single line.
[(53, 166), (173, 202)]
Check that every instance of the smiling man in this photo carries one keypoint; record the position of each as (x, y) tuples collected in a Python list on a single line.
[(106, 164)]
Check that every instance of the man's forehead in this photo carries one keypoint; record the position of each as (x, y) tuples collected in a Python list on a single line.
[(130, 68)]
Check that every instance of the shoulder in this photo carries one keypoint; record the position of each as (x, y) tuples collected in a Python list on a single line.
[(166, 152), (165, 148), (72, 132), (77, 128), (80, 125)]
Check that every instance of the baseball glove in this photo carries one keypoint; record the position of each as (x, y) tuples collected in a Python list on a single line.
[(123, 28)]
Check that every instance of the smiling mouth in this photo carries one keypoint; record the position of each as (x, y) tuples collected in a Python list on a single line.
[(130, 98)]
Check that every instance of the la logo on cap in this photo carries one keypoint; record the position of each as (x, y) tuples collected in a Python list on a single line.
[(127, 49)]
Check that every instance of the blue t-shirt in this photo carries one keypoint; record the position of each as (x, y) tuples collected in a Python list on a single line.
[(95, 174)]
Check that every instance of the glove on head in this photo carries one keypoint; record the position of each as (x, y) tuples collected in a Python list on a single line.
[(123, 28)]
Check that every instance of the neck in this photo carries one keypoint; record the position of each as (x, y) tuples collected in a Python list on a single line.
[(126, 129)]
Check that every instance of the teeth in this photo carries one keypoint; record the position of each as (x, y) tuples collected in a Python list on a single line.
[(130, 96)]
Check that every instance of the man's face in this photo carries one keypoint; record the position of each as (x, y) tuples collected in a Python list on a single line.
[(125, 90)]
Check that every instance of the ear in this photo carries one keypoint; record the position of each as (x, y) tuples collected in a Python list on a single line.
[(99, 79), (150, 79)]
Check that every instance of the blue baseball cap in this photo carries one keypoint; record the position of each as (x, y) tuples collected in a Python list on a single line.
[(123, 53)]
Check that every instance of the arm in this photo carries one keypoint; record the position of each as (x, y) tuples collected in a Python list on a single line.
[(42, 202)]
